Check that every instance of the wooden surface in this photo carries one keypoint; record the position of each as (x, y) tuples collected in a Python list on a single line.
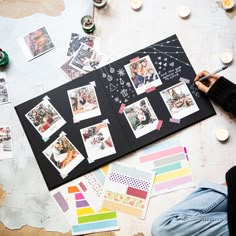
[(204, 35)]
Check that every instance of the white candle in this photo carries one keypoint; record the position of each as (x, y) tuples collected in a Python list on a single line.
[(222, 134), (226, 57), (183, 11)]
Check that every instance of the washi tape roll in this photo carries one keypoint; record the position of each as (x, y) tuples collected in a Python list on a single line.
[(99, 3), (88, 24), (4, 59)]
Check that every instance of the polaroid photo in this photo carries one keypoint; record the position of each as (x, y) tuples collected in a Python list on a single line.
[(142, 74), (63, 155), (87, 59), (6, 148), (77, 39), (71, 72), (45, 118), (4, 94), (84, 103), (36, 43), (179, 101), (141, 117), (98, 141)]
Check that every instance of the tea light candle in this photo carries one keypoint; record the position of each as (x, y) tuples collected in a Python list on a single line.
[(226, 57), (183, 11), (228, 4), (136, 4), (222, 134)]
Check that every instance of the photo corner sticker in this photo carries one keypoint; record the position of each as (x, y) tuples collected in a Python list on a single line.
[(179, 101), (143, 74)]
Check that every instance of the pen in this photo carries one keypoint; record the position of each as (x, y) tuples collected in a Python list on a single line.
[(215, 72)]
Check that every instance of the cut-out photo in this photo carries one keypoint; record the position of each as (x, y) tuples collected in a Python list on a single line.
[(142, 74), (87, 59), (83, 102), (5, 143), (4, 94), (141, 117), (179, 101), (36, 43), (98, 141), (71, 72), (45, 119), (63, 155), (77, 39)]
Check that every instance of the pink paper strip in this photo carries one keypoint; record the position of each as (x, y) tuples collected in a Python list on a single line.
[(122, 107), (79, 196), (159, 125), (186, 153), (173, 183), (153, 88), (161, 154), (134, 59)]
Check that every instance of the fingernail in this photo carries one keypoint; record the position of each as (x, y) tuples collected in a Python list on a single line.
[(197, 83)]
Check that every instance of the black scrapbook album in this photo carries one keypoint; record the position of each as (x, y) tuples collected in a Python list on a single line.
[(112, 111)]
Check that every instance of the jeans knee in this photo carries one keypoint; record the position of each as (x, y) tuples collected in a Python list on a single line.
[(159, 228)]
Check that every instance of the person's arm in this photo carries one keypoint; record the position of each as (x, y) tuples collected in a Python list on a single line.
[(219, 89)]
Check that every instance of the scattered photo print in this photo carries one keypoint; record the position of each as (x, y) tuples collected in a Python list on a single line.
[(36, 43), (4, 95), (63, 155), (5, 143), (45, 119), (87, 59), (179, 101), (83, 102), (143, 74), (141, 117), (71, 72), (77, 39), (98, 141)]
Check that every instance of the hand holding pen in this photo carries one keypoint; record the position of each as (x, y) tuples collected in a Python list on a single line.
[(204, 76)]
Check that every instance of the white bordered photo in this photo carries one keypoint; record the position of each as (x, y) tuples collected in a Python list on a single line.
[(45, 118), (77, 39), (98, 141), (87, 59), (179, 101), (142, 74), (69, 71), (141, 117), (63, 155), (6, 149), (36, 43), (4, 93), (84, 102)]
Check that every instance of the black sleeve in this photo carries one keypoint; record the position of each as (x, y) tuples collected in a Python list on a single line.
[(231, 206), (223, 92)]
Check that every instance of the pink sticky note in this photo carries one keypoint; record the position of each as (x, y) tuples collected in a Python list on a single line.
[(159, 125), (134, 59), (153, 88), (122, 107)]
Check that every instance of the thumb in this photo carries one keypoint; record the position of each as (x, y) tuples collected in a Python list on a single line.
[(202, 87)]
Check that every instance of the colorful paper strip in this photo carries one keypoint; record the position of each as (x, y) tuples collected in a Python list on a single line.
[(137, 193), (97, 217)]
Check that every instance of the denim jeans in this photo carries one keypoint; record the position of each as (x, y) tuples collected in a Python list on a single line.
[(202, 213)]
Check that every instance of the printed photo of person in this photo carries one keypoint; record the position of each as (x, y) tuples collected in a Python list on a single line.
[(98, 141), (141, 117), (6, 149), (142, 74), (4, 95), (179, 101), (63, 155), (84, 103), (45, 118), (36, 43)]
